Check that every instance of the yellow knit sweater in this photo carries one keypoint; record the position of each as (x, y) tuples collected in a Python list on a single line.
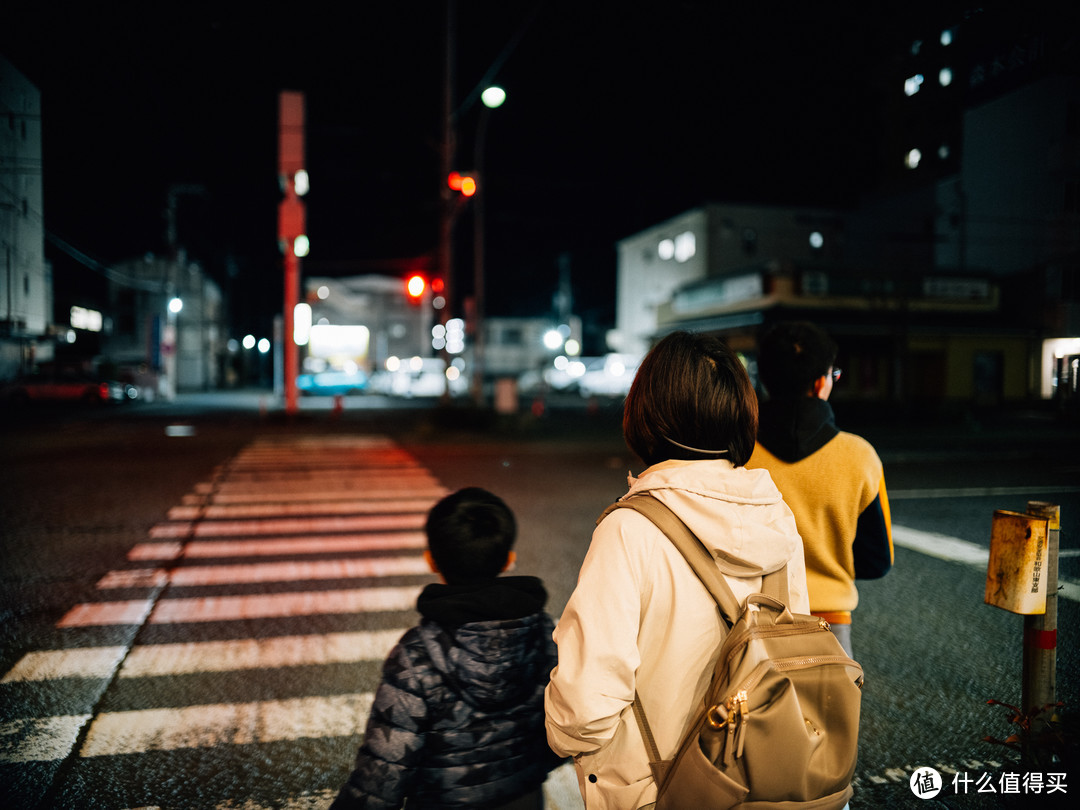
[(828, 492)]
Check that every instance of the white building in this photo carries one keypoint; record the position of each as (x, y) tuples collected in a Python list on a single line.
[(25, 286), (711, 242)]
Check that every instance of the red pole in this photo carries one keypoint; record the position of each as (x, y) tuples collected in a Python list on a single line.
[(291, 224)]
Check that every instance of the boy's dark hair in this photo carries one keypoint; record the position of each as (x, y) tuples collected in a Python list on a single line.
[(791, 356), (691, 390), (470, 534)]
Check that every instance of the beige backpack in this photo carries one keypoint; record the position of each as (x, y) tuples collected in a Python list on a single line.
[(780, 718)]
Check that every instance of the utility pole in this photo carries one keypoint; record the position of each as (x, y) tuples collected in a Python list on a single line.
[(291, 226)]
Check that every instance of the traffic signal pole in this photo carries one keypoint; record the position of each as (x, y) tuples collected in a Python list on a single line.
[(291, 224)]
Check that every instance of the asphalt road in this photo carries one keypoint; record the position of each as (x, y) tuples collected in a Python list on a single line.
[(89, 499)]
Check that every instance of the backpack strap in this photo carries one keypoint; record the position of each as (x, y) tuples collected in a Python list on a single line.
[(700, 559)]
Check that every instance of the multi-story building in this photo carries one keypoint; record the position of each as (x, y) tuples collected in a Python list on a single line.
[(25, 286), (956, 282), (166, 325)]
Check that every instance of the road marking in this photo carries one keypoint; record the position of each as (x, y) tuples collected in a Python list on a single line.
[(291, 509), (246, 573), (47, 665), (282, 546), (301, 603), (98, 614), (290, 526), (156, 660), (954, 549), (231, 608), (156, 551), (211, 725), (39, 739), (326, 491), (978, 492)]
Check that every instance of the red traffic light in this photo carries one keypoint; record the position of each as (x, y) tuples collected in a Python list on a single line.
[(415, 286), (464, 183)]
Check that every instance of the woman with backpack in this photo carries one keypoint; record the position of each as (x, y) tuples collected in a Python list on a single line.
[(640, 623)]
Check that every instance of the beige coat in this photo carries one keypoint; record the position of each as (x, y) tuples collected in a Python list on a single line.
[(639, 619)]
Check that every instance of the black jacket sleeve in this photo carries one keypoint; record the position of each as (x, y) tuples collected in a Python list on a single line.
[(873, 549)]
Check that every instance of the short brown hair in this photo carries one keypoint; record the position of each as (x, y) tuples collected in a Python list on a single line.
[(691, 390)]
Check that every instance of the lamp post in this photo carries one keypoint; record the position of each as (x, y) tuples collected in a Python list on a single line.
[(493, 98)]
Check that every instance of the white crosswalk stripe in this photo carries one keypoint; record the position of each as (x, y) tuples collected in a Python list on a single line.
[(329, 526)]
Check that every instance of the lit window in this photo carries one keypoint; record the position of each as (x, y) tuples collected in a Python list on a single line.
[(912, 159), (816, 240), (947, 36), (943, 151), (916, 46), (945, 77), (912, 84), (685, 246), (666, 249)]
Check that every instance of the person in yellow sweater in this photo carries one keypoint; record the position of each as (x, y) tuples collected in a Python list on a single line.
[(832, 480)]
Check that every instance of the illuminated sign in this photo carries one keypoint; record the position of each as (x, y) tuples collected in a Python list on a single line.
[(88, 319)]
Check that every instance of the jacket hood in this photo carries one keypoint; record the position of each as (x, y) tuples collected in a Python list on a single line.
[(488, 640), (737, 513), (792, 429)]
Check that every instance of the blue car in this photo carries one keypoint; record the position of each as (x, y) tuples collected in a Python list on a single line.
[(332, 383)]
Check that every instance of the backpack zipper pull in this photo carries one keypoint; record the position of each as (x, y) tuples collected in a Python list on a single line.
[(742, 717), (736, 711)]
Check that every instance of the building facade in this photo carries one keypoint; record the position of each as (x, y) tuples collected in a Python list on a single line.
[(957, 282), (26, 286)]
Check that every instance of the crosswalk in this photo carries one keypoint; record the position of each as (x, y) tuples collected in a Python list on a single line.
[(244, 637)]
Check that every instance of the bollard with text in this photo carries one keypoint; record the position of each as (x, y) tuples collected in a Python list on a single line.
[(1021, 577)]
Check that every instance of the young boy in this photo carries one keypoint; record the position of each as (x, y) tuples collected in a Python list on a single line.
[(458, 720)]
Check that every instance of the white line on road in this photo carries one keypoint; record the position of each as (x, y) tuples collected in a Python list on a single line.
[(100, 614), (154, 660), (247, 573), (954, 549), (39, 739), (326, 491), (265, 606), (210, 725), (232, 608), (157, 660), (290, 526), (291, 509), (47, 665), (281, 546)]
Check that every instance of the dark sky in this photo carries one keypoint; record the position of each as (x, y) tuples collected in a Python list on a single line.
[(619, 114)]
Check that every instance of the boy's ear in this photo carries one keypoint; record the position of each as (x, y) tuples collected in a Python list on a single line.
[(431, 562), (511, 559), (820, 387)]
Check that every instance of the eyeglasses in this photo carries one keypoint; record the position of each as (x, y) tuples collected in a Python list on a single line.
[(836, 372)]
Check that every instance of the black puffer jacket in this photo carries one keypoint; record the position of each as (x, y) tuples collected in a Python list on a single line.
[(458, 720)]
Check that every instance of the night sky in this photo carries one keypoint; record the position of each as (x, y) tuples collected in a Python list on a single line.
[(619, 115)]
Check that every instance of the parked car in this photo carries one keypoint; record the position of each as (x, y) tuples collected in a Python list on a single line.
[(609, 376), (66, 388), (418, 377), (332, 383)]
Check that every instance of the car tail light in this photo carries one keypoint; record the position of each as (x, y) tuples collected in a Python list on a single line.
[(103, 391)]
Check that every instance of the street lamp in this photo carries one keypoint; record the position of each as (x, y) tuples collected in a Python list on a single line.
[(492, 98)]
